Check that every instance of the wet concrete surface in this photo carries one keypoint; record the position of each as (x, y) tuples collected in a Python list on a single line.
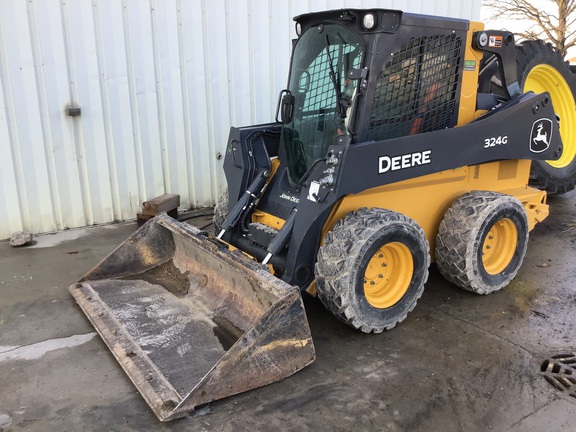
[(460, 362)]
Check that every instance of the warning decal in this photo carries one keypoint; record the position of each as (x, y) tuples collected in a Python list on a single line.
[(495, 42)]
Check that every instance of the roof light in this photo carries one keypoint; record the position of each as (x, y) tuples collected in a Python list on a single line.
[(298, 28), (369, 21)]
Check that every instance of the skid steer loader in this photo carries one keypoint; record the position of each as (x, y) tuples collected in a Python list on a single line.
[(401, 139)]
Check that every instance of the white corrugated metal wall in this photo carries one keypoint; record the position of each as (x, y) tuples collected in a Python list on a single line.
[(158, 82)]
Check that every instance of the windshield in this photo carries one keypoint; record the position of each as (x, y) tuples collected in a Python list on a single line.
[(322, 93)]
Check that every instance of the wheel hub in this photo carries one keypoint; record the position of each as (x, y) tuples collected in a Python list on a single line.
[(499, 246), (388, 275)]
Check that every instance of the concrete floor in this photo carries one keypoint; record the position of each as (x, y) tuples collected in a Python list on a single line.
[(460, 362)]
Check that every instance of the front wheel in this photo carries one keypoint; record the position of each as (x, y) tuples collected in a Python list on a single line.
[(372, 269)]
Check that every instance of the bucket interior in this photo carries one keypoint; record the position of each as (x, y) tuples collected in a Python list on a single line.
[(187, 310)]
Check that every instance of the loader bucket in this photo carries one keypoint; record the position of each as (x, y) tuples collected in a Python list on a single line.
[(191, 321)]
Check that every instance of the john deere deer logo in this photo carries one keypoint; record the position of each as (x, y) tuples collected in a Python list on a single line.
[(540, 135)]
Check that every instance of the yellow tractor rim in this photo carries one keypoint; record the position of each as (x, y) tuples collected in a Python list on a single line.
[(545, 78), (388, 275), (499, 246)]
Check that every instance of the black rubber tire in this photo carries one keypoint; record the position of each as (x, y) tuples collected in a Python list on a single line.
[(343, 259), (221, 211), (461, 237), (528, 55)]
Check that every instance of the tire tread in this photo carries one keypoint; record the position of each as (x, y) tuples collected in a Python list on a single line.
[(341, 247), (454, 242)]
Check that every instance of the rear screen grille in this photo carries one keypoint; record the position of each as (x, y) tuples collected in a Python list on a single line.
[(416, 91)]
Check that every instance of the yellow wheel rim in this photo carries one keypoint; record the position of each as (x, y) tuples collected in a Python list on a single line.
[(545, 78), (499, 246), (388, 275)]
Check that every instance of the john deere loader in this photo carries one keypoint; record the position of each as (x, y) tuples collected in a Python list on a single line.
[(400, 140)]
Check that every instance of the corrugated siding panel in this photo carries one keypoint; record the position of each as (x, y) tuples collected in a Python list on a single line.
[(159, 83)]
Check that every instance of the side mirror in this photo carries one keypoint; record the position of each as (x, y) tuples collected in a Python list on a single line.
[(285, 107)]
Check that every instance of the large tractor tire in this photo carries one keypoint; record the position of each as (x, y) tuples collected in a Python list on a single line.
[(541, 68), (482, 241), (372, 269)]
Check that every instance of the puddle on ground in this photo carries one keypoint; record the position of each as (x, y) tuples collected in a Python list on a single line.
[(525, 297), (37, 350), (5, 420)]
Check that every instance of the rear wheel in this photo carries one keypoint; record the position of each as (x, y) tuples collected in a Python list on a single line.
[(372, 268), (541, 68), (482, 241)]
